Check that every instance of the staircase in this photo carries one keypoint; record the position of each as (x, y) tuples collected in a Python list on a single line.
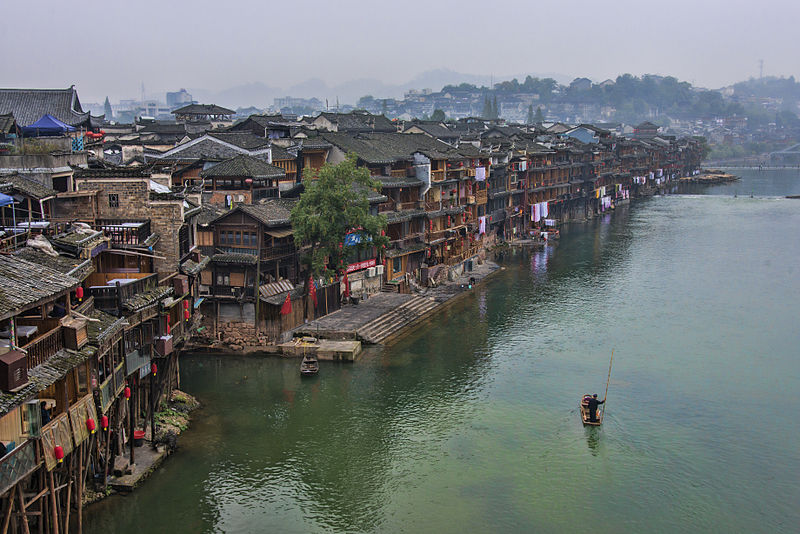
[(391, 323)]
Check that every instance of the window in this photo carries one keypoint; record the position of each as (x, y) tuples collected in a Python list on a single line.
[(397, 264), (113, 200)]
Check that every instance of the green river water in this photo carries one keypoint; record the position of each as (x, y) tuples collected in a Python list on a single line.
[(470, 424)]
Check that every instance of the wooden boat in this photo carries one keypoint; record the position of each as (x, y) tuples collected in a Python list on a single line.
[(584, 409), (309, 365)]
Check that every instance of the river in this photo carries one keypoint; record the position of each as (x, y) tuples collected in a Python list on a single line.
[(470, 424)]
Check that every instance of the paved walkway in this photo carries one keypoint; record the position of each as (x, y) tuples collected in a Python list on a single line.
[(387, 315)]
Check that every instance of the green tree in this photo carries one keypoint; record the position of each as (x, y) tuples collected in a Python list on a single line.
[(333, 204), (531, 118), (495, 110), (438, 115), (109, 114), (539, 117)]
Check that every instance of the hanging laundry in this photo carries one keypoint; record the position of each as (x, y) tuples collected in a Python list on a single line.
[(544, 209), (480, 174), (482, 228), (537, 214)]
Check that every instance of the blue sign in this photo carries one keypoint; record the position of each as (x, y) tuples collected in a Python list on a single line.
[(355, 238)]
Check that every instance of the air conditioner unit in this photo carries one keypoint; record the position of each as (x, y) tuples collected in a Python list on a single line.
[(370, 272), (379, 270), (13, 370)]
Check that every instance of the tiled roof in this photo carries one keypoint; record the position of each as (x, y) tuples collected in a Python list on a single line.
[(280, 153), (359, 121), (192, 268), (45, 375), (6, 123), (243, 165), (208, 213), (236, 259), (114, 172), (26, 186), (24, 284), (203, 109), (74, 267), (273, 212), (29, 105), (244, 140), (384, 148), (105, 326), (146, 298)]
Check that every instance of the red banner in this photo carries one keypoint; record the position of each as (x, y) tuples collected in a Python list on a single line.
[(353, 267)]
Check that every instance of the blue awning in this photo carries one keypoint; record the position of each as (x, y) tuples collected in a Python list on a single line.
[(5, 200)]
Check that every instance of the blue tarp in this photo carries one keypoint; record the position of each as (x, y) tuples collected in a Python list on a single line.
[(47, 125), (5, 200)]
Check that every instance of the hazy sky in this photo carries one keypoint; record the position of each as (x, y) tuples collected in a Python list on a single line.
[(110, 47)]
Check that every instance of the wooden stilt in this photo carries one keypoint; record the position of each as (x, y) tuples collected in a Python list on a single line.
[(53, 503), (70, 482), (25, 528), (9, 510)]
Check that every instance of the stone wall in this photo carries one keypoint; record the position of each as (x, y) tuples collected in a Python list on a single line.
[(166, 220), (132, 195), (361, 284)]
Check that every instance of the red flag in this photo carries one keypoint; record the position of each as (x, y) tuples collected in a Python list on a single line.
[(286, 308), (312, 290), (346, 286)]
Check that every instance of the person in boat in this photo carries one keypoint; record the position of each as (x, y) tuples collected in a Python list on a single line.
[(593, 404)]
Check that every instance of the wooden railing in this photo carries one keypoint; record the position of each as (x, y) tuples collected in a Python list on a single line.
[(437, 176), (480, 197), (43, 347), (401, 173), (17, 464), (110, 298), (277, 251), (120, 234)]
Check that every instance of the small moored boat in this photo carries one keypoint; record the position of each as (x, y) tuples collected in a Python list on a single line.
[(309, 365)]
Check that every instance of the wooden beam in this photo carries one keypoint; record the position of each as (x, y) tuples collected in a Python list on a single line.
[(7, 518), (25, 527)]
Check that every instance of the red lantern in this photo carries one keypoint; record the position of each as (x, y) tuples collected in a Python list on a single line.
[(90, 425), (186, 314), (168, 327), (248, 181), (185, 304), (127, 392), (79, 293), (104, 422), (58, 452), (383, 232), (154, 367)]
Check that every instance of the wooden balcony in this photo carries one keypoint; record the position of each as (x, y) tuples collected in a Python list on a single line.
[(44, 347), (480, 197), (407, 205), (109, 298), (437, 176), (122, 232), (278, 251), (400, 173)]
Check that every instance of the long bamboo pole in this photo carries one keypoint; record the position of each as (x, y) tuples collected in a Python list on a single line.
[(605, 395)]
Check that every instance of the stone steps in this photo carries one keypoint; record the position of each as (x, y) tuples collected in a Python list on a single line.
[(392, 322)]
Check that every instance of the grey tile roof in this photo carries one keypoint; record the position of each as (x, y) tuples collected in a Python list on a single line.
[(193, 268), (7, 123), (359, 121), (24, 284), (203, 109), (280, 153), (105, 326), (26, 186), (243, 165), (74, 267), (45, 375), (28, 105), (244, 140), (272, 213), (235, 259), (146, 298), (384, 148)]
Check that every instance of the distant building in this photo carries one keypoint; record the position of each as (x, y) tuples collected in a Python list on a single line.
[(178, 98)]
